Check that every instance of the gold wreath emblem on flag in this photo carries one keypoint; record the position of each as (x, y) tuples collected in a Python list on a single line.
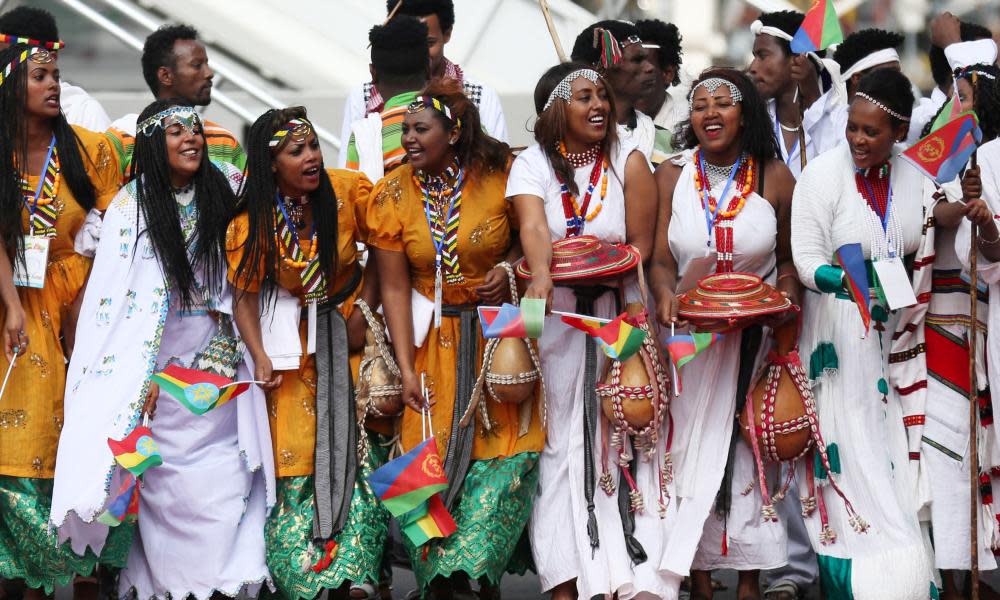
[(432, 466), (931, 150)]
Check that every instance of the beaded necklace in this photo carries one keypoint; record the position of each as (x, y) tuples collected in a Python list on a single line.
[(40, 201), (875, 186), (298, 254), (576, 214), (580, 159), (442, 208), (720, 223)]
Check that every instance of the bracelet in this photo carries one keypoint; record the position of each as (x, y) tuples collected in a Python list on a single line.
[(989, 242), (787, 275)]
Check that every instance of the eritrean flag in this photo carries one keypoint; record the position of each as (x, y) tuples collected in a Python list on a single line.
[(125, 504), (620, 338), (431, 520), (137, 452), (942, 154), (405, 483), (683, 348), (851, 259), (820, 29), (199, 391), (525, 321)]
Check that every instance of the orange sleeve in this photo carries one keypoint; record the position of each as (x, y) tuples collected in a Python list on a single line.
[(101, 166), (385, 230), (236, 240)]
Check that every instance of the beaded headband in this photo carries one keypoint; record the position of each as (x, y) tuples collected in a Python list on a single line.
[(564, 89), (713, 83), (34, 54), (422, 102), (13, 39), (888, 110), (295, 129), (185, 116), (967, 72)]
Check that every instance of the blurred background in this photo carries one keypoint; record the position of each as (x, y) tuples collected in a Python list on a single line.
[(311, 52)]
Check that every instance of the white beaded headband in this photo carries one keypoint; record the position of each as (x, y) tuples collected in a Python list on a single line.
[(888, 110), (565, 88), (185, 116), (713, 83)]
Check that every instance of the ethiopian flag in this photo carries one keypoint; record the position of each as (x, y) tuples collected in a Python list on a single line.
[(429, 521), (137, 452), (620, 338), (125, 504), (199, 391), (820, 29), (404, 483)]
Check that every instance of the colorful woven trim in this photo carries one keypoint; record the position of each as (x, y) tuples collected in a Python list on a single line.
[(186, 116), (36, 54), (586, 258), (731, 296), (423, 102), (13, 40), (295, 129)]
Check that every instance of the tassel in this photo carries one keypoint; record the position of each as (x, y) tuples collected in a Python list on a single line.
[(607, 483), (636, 502), (725, 539), (611, 52), (592, 531), (826, 536), (329, 552), (808, 505), (768, 513)]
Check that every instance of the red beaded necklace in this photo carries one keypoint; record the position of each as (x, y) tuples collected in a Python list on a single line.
[(723, 220), (576, 214)]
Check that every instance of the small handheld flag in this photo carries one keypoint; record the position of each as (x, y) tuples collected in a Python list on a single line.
[(943, 153), (198, 391), (137, 452), (125, 504), (851, 259), (404, 483), (525, 321), (432, 520), (683, 348), (820, 29), (620, 338)]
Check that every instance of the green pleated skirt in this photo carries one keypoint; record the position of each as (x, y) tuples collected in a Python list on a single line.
[(29, 551), (291, 552), (490, 514)]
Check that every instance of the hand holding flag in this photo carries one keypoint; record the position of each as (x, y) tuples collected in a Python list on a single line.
[(199, 391), (943, 153), (137, 452)]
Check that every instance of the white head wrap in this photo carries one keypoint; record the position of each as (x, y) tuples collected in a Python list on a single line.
[(839, 90), (874, 59), (758, 28)]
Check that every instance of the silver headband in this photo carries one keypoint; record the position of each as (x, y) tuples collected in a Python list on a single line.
[(565, 88), (713, 83), (888, 110), (185, 116)]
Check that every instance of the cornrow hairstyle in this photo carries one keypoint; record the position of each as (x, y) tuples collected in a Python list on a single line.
[(668, 38), (479, 153), (158, 51), (583, 47), (757, 138), (14, 153), (891, 88), (259, 193), (788, 21), (30, 22), (862, 43), (399, 48), (551, 126), (444, 9), (940, 69), (213, 199), (987, 102)]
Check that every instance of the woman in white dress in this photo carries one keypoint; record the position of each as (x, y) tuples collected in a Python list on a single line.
[(730, 162), (158, 296), (579, 551), (861, 193)]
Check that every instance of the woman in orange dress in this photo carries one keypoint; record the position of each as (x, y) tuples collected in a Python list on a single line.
[(453, 185), (52, 175)]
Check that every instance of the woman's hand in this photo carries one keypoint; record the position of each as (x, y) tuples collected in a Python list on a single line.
[(666, 309), (776, 319), (264, 371), (149, 408), (357, 327), (978, 211), (412, 394), (15, 341), (541, 287), (972, 185), (495, 288)]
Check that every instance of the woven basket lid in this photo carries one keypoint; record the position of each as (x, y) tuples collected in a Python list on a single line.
[(584, 257), (731, 296)]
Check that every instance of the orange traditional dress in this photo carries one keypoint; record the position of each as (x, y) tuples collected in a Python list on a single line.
[(494, 500), (31, 410), (292, 410)]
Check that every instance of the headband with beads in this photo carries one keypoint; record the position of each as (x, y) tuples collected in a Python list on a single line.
[(967, 72), (885, 108), (185, 116), (713, 83), (422, 102), (14, 39), (564, 89), (34, 54), (610, 48), (295, 129)]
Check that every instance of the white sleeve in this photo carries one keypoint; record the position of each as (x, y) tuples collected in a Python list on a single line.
[(812, 221), (354, 109), (529, 175), (976, 52), (82, 109), (491, 114), (989, 166)]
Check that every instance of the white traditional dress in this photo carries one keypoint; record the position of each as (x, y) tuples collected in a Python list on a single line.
[(201, 513), (861, 417), (559, 538), (704, 412)]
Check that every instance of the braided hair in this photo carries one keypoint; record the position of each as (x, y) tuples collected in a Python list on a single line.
[(213, 198), (259, 192), (14, 154)]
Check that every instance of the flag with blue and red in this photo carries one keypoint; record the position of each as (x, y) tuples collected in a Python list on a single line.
[(851, 259), (943, 153)]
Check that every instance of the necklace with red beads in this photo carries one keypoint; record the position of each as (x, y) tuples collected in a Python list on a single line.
[(720, 223), (577, 215)]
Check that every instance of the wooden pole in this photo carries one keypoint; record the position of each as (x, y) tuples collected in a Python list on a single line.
[(802, 127), (392, 13), (974, 501), (544, 4)]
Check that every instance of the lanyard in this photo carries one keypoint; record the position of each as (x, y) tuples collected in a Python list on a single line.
[(439, 245), (781, 140), (289, 225), (712, 216), (41, 182)]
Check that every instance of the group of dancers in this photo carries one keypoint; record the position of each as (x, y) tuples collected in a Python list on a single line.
[(158, 244)]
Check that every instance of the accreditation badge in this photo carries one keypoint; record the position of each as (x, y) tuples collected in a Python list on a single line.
[(31, 273)]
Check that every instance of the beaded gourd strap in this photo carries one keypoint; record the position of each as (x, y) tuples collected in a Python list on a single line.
[(380, 342)]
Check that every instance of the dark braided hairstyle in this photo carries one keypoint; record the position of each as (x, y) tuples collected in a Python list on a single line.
[(259, 192), (987, 103), (213, 198), (14, 153), (551, 127), (758, 138)]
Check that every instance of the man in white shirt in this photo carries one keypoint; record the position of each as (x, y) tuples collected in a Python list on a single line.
[(666, 101), (439, 16), (79, 107)]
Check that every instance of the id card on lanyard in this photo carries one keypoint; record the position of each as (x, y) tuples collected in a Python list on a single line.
[(892, 277), (31, 271)]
